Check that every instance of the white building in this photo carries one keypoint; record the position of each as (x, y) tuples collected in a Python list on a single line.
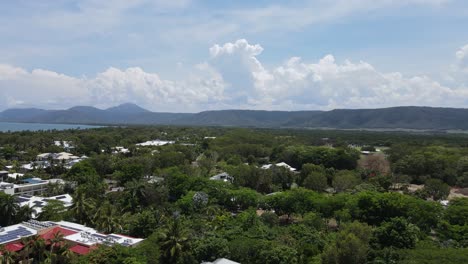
[(122, 150), (88, 236), (82, 239), (37, 202), (223, 177), (221, 261), (281, 164), (30, 186), (67, 145), (156, 142), (15, 175)]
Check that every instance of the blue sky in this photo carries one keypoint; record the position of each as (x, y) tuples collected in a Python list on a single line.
[(189, 55)]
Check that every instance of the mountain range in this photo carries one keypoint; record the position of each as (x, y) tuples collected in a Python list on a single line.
[(404, 117)]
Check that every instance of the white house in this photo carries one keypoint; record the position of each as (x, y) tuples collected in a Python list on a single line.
[(281, 164), (37, 202), (30, 186), (155, 142), (221, 261), (222, 177)]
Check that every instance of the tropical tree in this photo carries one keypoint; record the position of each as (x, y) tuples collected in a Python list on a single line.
[(9, 209), (53, 211), (7, 257), (25, 213), (174, 241), (107, 218), (82, 207)]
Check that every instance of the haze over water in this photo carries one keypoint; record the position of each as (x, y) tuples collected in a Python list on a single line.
[(5, 127)]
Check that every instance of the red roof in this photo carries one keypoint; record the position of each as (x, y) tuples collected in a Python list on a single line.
[(50, 234), (81, 250), (14, 247)]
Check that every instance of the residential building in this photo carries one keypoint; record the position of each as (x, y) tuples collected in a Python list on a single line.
[(221, 261), (223, 177), (29, 186), (155, 142), (82, 239), (38, 202), (281, 164)]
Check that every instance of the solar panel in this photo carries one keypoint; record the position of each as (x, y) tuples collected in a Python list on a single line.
[(21, 199), (100, 236), (116, 237), (60, 197)]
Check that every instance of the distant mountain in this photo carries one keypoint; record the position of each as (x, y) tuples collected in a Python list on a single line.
[(246, 118), (127, 108), (410, 117)]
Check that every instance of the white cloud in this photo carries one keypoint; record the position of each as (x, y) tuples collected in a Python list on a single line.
[(462, 58), (234, 77), (328, 84), (20, 88)]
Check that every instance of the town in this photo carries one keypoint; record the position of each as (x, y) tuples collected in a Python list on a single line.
[(230, 195)]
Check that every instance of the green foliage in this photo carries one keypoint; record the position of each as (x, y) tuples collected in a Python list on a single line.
[(262, 217), (54, 210), (345, 180), (316, 181), (435, 256), (111, 255), (436, 189), (397, 233), (375, 208), (350, 246), (9, 209), (210, 249)]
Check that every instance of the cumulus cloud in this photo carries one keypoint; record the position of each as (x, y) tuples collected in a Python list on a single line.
[(234, 77), (327, 83), (462, 58), (41, 88), (19, 87)]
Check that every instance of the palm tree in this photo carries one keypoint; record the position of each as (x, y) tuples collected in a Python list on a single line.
[(106, 218), (38, 248), (67, 255), (82, 207), (7, 257), (55, 243), (8, 209), (25, 213), (136, 192), (174, 241), (27, 247)]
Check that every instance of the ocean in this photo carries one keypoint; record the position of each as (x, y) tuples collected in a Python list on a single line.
[(5, 127)]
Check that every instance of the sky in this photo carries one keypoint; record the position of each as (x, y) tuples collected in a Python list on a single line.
[(196, 55)]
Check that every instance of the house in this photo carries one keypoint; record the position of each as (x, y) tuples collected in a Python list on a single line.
[(154, 179), (67, 145), (81, 238), (281, 164), (56, 156), (37, 202), (221, 261), (155, 142), (223, 177), (15, 175), (29, 186), (43, 160), (3, 175), (122, 150)]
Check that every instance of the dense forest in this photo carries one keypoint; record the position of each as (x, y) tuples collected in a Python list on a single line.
[(351, 197), (405, 117)]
